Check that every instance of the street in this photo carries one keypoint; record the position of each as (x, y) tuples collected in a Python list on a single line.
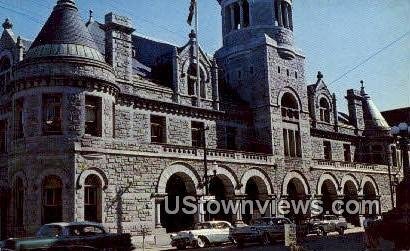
[(351, 241)]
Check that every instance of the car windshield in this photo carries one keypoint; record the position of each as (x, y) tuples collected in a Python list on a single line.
[(262, 221), (85, 230), (203, 226), (50, 231), (220, 225)]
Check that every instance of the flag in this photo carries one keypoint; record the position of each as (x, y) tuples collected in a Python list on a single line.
[(191, 12)]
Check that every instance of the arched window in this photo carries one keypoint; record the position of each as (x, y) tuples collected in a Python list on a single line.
[(324, 110), (18, 193), (291, 133), (290, 107), (92, 199), (5, 73), (192, 80), (52, 199), (245, 9)]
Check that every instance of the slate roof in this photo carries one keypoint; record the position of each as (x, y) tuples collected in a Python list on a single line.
[(65, 34), (373, 118)]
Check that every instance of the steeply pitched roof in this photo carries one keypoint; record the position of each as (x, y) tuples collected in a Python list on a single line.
[(373, 118), (65, 34)]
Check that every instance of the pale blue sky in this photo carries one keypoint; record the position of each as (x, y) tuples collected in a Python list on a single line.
[(335, 36)]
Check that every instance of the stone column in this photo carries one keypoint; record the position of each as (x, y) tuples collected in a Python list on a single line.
[(238, 216), (201, 209), (241, 13), (279, 8), (158, 212), (232, 17)]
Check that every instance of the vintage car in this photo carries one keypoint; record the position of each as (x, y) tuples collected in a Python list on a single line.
[(264, 230), (71, 236), (327, 224), (203, 235)]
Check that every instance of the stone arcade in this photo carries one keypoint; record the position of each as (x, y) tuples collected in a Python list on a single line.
[(99, 124)]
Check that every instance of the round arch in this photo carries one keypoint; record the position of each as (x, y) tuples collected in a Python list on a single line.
[(368, 179), (327, 177), (323, 96), (294, 175), (291, 91), (187, 64), (92, 171), (351, 178), (7, 54), (22, 175), (260, 175), (176, 168), (226, 174)]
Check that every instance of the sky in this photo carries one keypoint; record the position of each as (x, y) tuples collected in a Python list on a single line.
[(336, 36)]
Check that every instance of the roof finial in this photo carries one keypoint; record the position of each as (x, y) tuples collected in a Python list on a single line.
[(362, 90), (7, 24), (319, 75), (192, 35), (90, 18)]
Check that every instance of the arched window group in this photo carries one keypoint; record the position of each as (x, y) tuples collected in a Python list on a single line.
[(291, 132), (283, 14), (237, 16), (324, 108)]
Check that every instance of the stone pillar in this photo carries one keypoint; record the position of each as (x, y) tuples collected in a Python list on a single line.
[(158, 201), (279, 8), (238, 216), (272, 205), (241, 13), (201, 209)]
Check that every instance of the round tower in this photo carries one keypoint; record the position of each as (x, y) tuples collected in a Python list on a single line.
[(246, 20)]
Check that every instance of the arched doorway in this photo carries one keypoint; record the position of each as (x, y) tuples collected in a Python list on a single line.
[(178, 186), (255, 190), (223, 190), (52, 188), (370, 195), (350, 194), (329, 195), (93, 199), (296, 194)]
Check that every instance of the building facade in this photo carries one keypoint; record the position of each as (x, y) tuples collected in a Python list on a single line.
[(100, 124)]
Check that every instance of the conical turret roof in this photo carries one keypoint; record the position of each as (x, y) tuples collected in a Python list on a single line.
[(373, 118), (64, 34)]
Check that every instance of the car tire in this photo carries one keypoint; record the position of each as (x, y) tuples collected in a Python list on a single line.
[(266, 241), (202, 242), (181, 247), (341, 231), (321, 232)]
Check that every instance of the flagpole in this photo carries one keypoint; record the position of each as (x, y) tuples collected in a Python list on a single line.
[(198, 69)]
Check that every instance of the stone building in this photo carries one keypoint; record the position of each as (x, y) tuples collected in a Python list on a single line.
[(100, 124)]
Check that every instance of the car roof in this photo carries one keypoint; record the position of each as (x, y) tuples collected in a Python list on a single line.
[(213, 222), (68, 224)]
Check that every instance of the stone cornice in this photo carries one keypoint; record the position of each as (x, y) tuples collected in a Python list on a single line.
[(333, 135), (173, 108)]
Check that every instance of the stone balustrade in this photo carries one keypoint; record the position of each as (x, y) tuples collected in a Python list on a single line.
[(349, 166)]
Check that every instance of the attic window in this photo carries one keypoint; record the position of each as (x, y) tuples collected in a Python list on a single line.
[(192, 80), (324, 110)]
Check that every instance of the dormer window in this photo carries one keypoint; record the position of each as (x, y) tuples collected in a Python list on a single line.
[(324, 110), (192, 81)]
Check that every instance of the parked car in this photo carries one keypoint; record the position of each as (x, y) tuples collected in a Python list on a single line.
[(264, 230), (72, 236), (327, 224), (203, 235)]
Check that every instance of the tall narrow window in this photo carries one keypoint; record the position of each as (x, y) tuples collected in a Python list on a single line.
[(394, 155), (231, 138), (52, 200), (92, 199), (324, 110), (52, 114), (347, 153), (93, 116), (237, 16), (18, 118), (327, 150), (158, 129), (5, 73), (290, 107), (192, 81), (292, 143), (18, 202), (197, 130), (246, 19), (3, 136)]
